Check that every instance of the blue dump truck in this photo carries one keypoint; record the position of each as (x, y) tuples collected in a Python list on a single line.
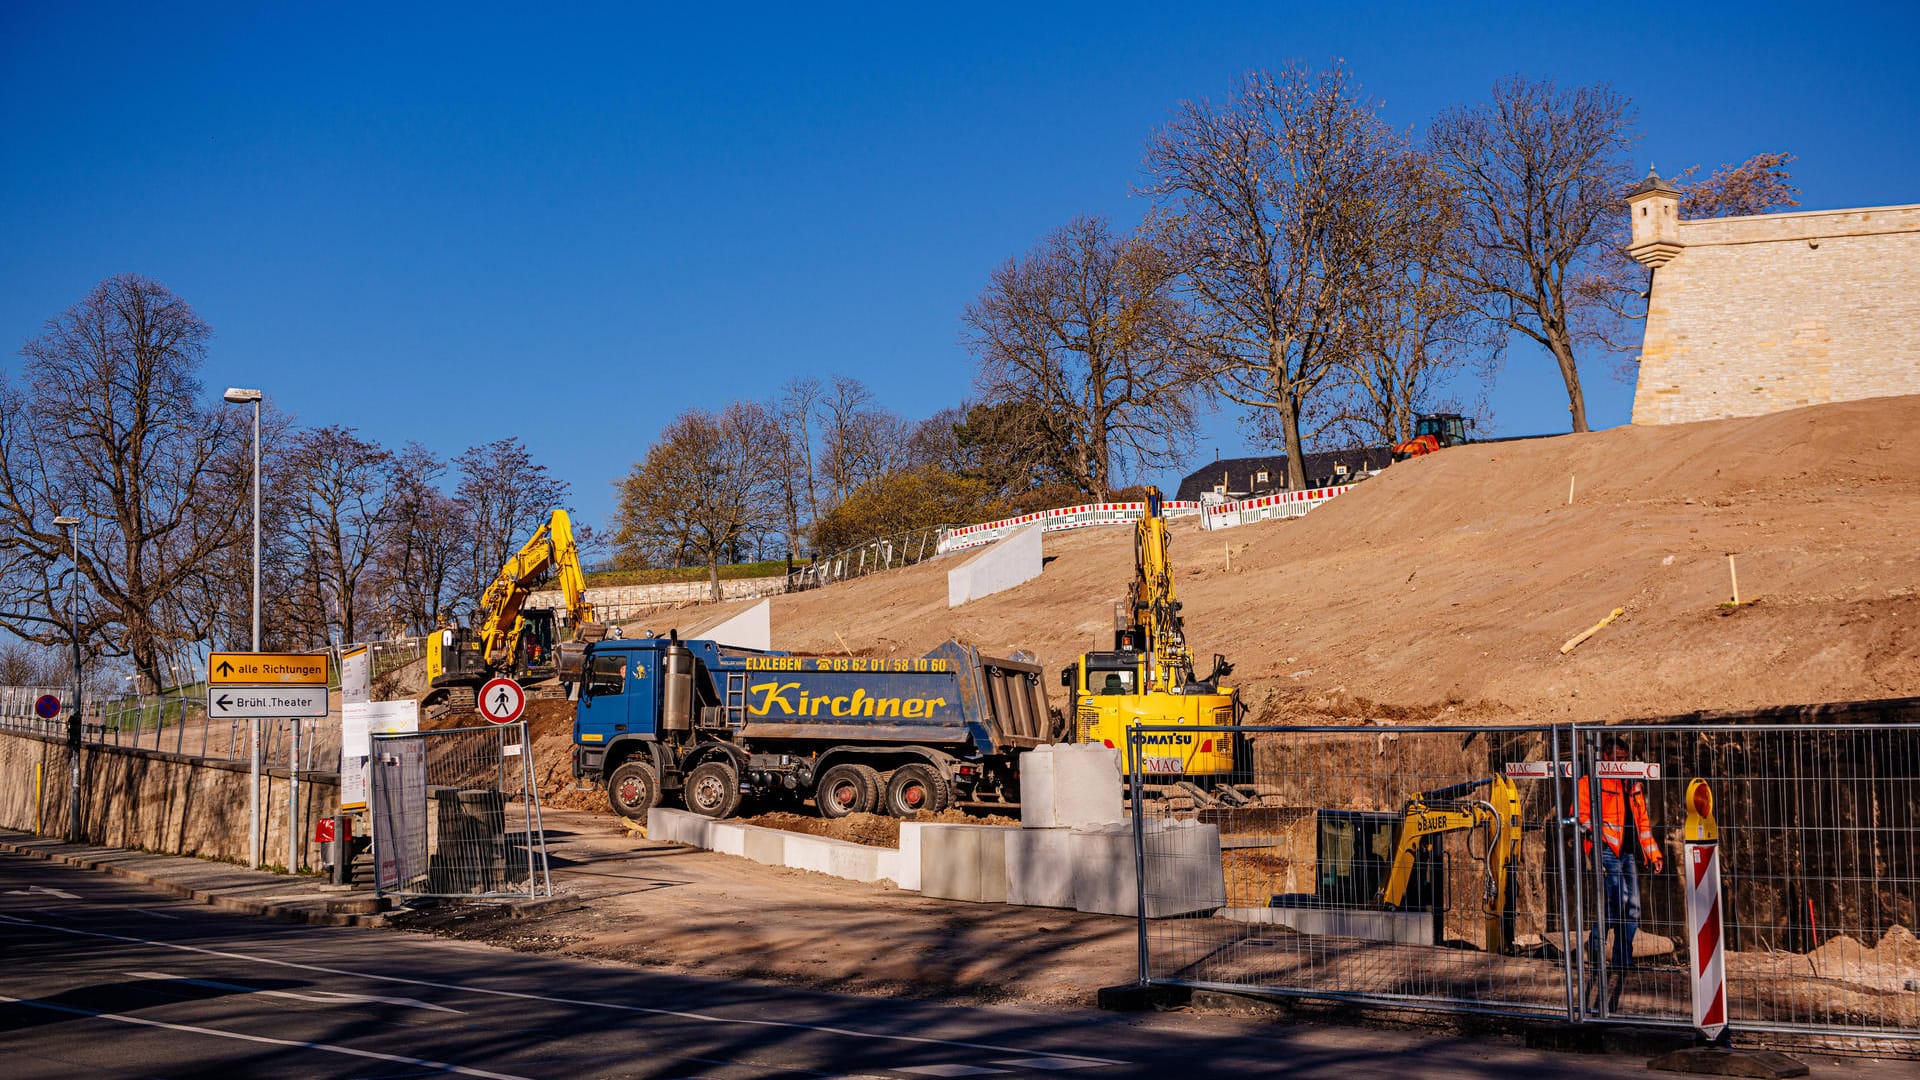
[(660, 717)]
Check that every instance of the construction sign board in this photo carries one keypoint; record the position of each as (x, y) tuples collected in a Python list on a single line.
[(266, 669), (245, 702), (502, 701)]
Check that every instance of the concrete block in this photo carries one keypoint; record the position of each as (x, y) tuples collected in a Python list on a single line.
[(1040, 868), (1003, 564), (855, 862), (907, 864), (751, 629), (766, 846), (813, 853), (727, 838), (677, 827), (964, 862), (1068, 785), (886, 866), (1183, 869), (1400, 927)]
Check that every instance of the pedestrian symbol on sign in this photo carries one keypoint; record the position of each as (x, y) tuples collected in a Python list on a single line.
[(502, 701)]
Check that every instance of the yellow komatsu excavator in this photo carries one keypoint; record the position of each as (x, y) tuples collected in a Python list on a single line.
[(1148, 676), (513, 639)]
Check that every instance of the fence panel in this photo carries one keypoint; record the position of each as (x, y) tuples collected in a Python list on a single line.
[(1447, 868), (456, 813), (1820, 874), (1311, 895)]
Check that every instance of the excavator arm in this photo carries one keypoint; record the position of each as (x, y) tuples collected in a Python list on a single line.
[(551, 547), (1434, 813), (1155, 611)]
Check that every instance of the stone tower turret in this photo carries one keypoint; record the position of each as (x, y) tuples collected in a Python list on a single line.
[(1655, 206)]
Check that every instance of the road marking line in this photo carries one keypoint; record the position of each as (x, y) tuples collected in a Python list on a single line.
[(318, 997), (918, 1040), (948, 1070), (155, 914), (328, 1048), (1049, 1064), (61, 893)]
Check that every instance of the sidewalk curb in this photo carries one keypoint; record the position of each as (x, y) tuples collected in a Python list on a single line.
[(265, 909)]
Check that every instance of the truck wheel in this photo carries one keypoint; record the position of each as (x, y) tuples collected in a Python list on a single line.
[(713, 789), (847, 789), (634, 789), (917, 787)]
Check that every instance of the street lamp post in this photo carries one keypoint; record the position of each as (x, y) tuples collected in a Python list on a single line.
[(72, 525), (240, 396)]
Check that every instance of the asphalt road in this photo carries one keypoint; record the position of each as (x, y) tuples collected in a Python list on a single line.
[(105, 978)]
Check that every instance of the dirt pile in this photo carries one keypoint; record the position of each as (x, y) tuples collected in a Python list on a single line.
[(1444, 588)]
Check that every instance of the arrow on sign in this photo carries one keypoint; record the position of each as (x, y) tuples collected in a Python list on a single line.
[(224, 668), (61, 893), (224, 701)]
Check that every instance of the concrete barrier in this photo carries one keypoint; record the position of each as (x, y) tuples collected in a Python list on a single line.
[(1184, 871), (964, 862), (774, 847), (1068, 785), (1007, 563), (907, 862), (1040, 868), (1401, 927), (750, 629)]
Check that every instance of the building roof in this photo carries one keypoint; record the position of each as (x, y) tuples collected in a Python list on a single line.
[(1242, 476)]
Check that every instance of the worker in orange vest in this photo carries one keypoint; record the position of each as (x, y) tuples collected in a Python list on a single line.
[(1623, 810)]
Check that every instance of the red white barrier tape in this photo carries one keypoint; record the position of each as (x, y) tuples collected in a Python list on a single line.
[(1061, 519)]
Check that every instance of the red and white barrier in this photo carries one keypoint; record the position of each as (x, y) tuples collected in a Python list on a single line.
[(1060, 519), (1705, 939)]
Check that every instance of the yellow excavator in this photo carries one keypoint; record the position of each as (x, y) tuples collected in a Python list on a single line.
[(513, 639), (1148, 677), (1395, 860)]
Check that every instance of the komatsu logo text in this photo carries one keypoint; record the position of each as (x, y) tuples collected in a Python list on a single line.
[(787, 699), (1166, 740)]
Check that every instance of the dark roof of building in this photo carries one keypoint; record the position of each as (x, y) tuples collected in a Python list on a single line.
[(1242, 475)]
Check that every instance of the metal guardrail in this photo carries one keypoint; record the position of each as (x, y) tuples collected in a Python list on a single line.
[(1286, 894)]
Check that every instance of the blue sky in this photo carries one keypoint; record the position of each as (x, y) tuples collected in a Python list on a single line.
[(456, 223)]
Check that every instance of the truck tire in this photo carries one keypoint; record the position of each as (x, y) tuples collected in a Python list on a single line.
[(712, 789), (634, 789), (847, 789), (917, 787)]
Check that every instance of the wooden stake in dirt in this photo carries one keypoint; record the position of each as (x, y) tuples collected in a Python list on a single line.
[(843, 643), (1228, 548), (1735, 575), (1570, 480), (1590, 631)]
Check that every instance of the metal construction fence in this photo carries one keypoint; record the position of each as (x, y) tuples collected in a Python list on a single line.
[(456, 813), (1446, 868)]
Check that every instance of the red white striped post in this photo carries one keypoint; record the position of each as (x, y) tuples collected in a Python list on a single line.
[(1706, 941)]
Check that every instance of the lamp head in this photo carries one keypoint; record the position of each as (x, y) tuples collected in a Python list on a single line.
[(64, 521), (240, 396)]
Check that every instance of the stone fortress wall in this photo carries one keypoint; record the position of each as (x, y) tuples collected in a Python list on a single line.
[(1752, 315)]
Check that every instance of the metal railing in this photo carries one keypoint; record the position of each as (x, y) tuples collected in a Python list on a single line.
[(1281, 879), (872, 557)]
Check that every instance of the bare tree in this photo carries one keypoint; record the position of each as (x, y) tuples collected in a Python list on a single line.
[(859, 441), (1540, 173), (1089, 326), (112, 430), (706, 486), (507, 496), (1265, 201), (1418, 323), (425, 543), (1759, 185), (27, 665), (794, 412), (341, 484)]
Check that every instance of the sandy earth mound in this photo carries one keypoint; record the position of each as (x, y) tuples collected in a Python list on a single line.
[(1444, 588)]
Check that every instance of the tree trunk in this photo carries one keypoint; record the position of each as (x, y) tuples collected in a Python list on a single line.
[(1563, 355), (713, 576), (1290, 426)]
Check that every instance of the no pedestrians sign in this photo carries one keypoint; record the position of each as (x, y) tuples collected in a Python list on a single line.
[(502, 701)]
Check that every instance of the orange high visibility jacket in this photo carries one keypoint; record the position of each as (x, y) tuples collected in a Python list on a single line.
[(1615, 795)]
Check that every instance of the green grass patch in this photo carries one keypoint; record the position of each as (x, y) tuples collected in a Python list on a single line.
[(664, 575)]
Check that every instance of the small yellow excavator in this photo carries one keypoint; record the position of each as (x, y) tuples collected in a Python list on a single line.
[(1148, 678), (1394, 859), (513, 639)]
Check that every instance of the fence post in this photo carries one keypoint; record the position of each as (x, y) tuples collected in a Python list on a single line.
[(1567, 957), (1134, 740)]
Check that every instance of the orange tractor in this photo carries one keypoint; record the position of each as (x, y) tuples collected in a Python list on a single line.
[(1433, 432)]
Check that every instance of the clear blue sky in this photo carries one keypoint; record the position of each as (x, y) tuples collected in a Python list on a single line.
[(472, 221)]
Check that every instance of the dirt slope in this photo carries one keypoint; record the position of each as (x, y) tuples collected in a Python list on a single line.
[(1444, 588)]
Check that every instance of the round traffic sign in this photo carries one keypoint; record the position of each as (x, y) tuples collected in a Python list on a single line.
[(46, 706), (502, 701)]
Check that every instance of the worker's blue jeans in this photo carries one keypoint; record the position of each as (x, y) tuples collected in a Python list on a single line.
[(1622, 873)]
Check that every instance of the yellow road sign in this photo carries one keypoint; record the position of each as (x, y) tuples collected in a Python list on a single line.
[(266, 669)]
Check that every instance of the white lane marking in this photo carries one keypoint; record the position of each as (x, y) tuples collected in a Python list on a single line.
[(150, 911), (318, 997), (1047, 1064), (327, 1048), (517, 995), (949, 1070), (61, 893)]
